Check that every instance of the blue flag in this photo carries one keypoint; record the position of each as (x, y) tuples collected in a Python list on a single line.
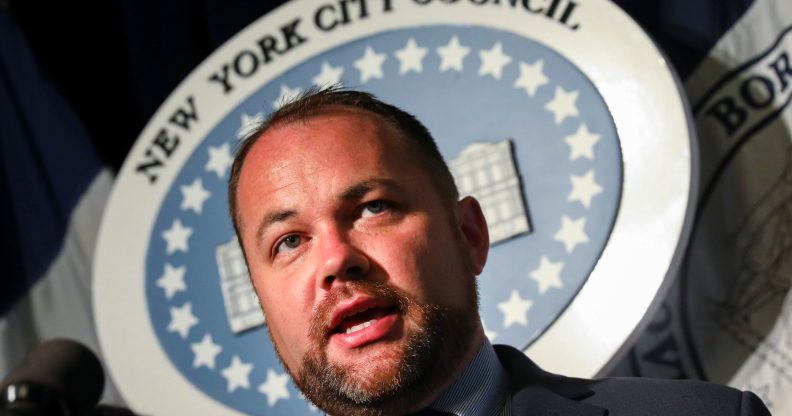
[(54, 188)]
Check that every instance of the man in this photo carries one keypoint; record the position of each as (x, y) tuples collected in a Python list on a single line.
[(365, 263)]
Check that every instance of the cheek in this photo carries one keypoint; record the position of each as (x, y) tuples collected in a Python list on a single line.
[(285, 308), (443, 263), (287, 331), (406, 258), (286, 317), (284, 295)]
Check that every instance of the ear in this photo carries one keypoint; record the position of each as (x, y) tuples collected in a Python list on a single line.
[(474, 231)]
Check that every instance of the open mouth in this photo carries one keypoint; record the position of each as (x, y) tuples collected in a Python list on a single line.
[(362, 319)]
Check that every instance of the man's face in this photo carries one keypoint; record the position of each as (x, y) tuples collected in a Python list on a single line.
[(365, 274)]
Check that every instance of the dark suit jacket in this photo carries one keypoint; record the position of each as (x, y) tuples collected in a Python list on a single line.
[(537, 392)]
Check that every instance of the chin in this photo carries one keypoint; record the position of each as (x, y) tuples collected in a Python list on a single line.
[(378, 374)]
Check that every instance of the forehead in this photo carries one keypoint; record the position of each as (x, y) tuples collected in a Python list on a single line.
[(340, 145), (333, 128), (333, 137)]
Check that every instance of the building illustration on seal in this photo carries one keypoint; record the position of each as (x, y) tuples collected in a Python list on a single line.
[(487, 172), (240, 300)]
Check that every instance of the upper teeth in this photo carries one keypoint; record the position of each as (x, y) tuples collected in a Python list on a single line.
[(360, 326)]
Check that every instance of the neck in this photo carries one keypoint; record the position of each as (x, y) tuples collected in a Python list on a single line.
[(441, 385)]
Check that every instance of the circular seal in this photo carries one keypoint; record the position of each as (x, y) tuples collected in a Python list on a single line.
[(560, 140)]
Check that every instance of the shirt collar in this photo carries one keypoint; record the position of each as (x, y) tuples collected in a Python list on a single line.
[(481, 390)]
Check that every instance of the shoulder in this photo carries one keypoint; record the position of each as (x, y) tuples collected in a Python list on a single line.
[(662, 397), (626, 396)]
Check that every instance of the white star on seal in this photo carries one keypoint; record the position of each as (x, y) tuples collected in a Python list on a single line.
[(194, 196), (182, 319), (205, 352), (531, 77), (515, 310), (176, 237), (329, 75), (571, 233), (548, 275), (584, 188), (370, 65), (172, 280), (286, 96), (275, 387), (452, 55), (249, 124), (581, 144), (493, 61), (411, 57), (563, 104), (219, 160), (237, 374)]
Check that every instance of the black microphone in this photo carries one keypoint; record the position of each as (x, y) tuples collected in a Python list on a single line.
[(57, 378)]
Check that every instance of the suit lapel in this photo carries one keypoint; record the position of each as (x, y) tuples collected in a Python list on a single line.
[(536, 392)]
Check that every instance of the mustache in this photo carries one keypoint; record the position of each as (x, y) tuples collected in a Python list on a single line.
[(322, 313)]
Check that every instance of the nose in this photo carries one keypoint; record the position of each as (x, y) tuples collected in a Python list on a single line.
[(341, 261)]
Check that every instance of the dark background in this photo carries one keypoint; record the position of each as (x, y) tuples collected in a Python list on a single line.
[(115, 61)]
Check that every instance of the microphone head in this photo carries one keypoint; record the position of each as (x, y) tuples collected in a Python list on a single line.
[(68, 368)]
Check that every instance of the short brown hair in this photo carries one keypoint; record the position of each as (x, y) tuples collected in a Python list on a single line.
[(316, 101)]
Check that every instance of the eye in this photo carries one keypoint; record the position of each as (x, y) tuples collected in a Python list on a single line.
[(373, 208), (288, 243)]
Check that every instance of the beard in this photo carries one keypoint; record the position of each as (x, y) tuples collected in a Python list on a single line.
[(399, 380)]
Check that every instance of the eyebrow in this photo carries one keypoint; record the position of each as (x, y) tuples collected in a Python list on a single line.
[(272, 218), (360, 189)]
